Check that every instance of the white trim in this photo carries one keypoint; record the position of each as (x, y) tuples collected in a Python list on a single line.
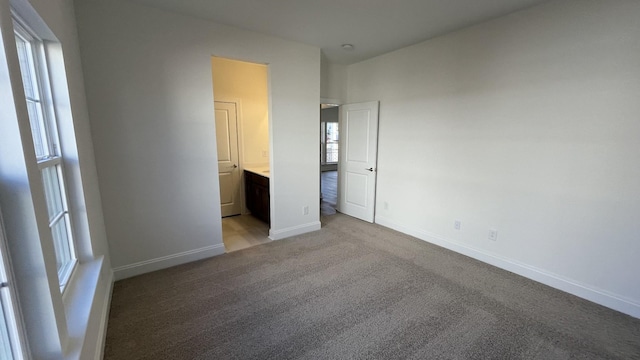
[(9, 303), (104, 319), (585, 291), (294, 230), (43, 88), (143, 267), (49, 162), (89, 311), (84, 304), (331, 101)]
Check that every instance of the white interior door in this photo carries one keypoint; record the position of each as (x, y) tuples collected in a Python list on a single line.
[(358, 159), (228, 170)]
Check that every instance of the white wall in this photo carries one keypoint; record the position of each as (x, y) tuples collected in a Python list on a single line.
[(527, 124), (247, 83), (333, 81), (148, 79), (57, 326)]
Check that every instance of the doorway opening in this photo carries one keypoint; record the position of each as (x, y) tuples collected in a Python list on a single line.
[(242, 135), (329, 158), (354, 137)]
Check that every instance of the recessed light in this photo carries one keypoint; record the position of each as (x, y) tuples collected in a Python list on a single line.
[(347, 47)]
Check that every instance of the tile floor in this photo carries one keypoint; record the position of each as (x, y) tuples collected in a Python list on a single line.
[(243, 231)]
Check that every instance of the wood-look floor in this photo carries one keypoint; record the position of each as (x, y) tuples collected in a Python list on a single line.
[(329, 188)]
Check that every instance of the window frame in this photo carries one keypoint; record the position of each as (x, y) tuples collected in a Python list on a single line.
[(53, 157), (11, 320), (325, 142)]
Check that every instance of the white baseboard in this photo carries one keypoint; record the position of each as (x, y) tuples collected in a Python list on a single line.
[(143, 267), (598, 296), (104, 319), (294, 230)]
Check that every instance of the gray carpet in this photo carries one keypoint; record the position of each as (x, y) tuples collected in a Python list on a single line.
[(356, 291)]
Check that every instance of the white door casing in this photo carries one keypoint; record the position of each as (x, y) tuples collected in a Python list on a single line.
[(228, 169), (358, 160)]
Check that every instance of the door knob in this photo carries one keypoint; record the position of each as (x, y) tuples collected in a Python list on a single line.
[(370, 169), (235, 166)]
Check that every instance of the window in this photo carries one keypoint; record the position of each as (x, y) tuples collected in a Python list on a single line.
[(10, 346), (330, 137), (42, 118), (5, 342)]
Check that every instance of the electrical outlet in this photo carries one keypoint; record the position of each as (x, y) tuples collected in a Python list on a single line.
[(457, 224), (493, 234), (385, 205), (265, 153), (305, 210)]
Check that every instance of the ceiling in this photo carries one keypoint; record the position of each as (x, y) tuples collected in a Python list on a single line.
[(374, 27)]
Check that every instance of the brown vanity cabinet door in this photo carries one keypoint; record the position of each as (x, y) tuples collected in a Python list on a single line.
[(257, 195)]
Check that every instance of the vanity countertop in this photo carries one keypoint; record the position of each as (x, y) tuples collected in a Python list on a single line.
[(258, 170)]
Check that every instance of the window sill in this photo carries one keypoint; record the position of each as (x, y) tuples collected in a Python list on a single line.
[(86, 301)]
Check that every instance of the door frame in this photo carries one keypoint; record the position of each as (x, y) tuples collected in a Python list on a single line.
[(238, 103), (340, 104)]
